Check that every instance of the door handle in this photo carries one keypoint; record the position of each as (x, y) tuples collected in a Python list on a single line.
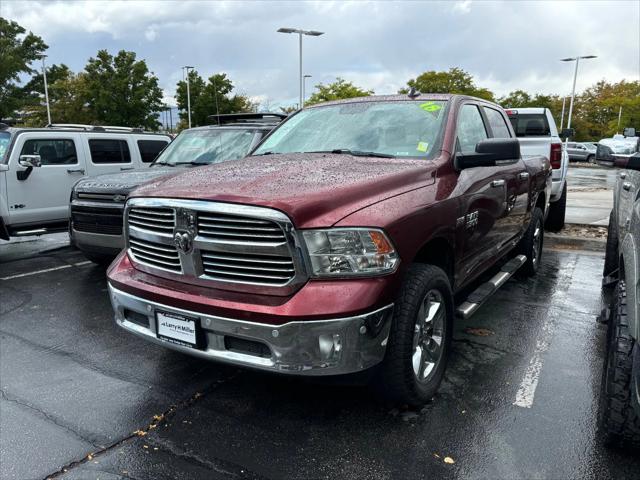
[(122, 169), (523, 175), (497, 183), (75, 170), (627, 186), (623, 175)]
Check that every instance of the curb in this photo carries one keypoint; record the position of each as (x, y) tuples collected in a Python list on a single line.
[(566, 242)]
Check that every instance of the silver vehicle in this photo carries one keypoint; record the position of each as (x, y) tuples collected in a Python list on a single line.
[(620, 406), (581, 152), (97, 203), (39, 166)]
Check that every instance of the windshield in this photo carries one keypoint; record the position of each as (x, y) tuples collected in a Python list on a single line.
[(5, 138), (203, 147), (621, 147), (398, 129)]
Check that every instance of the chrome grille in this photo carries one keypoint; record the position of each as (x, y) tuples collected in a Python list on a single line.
[(267, 269), (160, 220), (157, 255), (236, 229)]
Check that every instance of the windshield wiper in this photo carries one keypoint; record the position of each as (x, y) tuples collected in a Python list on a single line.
[(190, 163), (357, 153)]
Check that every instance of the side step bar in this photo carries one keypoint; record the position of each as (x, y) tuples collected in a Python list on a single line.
[(484, 291)]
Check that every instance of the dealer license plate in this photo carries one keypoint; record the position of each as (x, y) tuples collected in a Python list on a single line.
[(176, 329)]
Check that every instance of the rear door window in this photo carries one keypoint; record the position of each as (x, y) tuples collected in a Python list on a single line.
[(497, 123), (149, 149), (530, 124), (52, 151), (109, 150)]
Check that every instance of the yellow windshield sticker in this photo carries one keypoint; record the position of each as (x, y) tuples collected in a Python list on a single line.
[(422, 146), (430, 107)]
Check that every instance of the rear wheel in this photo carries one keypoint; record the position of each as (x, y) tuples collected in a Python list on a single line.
[(619, 422), (591, 159), (420, 338), (531, 244), (557, 211)]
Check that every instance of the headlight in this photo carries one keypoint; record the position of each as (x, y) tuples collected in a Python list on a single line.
[(348, 252)]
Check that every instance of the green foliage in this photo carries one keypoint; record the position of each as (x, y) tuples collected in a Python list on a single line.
[(17, 52), (207, 98), (455, 80), (337, 90), (120, 90), (289, 109)]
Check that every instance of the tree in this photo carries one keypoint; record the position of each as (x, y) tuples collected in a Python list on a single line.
[(455, 80), (121, 90), (336, 91), (207, 98), (289, 109), (17, 53)]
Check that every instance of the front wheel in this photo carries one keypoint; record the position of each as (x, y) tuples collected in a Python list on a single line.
[(531, 244), (618, 421), (420, 338)]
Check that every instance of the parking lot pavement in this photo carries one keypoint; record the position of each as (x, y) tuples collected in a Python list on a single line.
[(81, 399), (589, 195)]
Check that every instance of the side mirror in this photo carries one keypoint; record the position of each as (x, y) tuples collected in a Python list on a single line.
[(30, 161), (567, 133), (629, 132), (490, 152)]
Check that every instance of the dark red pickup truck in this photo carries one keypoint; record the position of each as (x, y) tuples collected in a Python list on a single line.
[(339, 244)]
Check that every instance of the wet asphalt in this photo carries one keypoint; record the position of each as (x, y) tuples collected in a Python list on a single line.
[(82, 399)]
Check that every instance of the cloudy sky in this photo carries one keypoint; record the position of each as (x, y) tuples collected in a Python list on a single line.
[(377, 45)]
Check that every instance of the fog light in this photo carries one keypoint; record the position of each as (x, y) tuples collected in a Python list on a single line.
[(330, 345)]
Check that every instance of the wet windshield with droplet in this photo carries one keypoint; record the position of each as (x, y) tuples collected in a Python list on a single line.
[(207, 146), (396, 128)]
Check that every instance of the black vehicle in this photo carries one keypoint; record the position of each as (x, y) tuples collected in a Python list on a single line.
[(97, 203)]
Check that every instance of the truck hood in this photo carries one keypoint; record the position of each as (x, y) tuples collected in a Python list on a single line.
[(314, 190), (122, 182)]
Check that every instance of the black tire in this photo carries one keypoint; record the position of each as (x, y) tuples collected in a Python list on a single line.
[(619, 423), (396, 379), (531, 244), (611, 252), (98, 258), (557, 212), (591, 158)]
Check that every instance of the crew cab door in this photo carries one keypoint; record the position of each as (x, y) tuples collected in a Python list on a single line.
[(628, 188), (40, 195), (489, 195), (110, 153)]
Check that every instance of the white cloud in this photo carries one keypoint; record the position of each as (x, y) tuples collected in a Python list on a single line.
[(377, 45)]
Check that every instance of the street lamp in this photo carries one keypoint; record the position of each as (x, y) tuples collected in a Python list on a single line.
[(575, 76), (186, 68), (304, 88), (46, 89), (312, 33)]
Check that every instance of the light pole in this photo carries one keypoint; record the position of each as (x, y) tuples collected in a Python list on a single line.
[(46, 89), (564, 101), (304, 88), (300, 32), (186, 68), (575, 76)]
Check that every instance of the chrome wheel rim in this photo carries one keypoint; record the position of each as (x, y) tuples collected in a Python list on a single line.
[(537, 242), (428, 336)]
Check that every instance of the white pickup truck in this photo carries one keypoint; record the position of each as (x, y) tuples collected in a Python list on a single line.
[(39, 166), (536, 129)]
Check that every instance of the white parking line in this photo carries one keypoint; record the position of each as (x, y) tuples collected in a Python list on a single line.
[(28, 274), (529, 383)]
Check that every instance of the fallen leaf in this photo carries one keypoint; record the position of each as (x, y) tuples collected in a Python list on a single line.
[(436, 455), (140, 433), (145, 446), (158, 417), (449, 460), (89, 457), (478, 332)]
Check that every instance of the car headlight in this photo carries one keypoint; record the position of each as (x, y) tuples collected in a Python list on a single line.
[(349, 251)]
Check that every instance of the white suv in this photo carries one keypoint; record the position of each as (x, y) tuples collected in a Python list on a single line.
[(39, 166), (536, 129)]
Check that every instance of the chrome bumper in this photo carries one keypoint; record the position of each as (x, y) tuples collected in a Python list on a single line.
[(313, 348)]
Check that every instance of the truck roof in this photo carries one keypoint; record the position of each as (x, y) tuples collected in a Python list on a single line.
[(397, 98)]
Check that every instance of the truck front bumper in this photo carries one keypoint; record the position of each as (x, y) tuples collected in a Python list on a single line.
[(313, 348)]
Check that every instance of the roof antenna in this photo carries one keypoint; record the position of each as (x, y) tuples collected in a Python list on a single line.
[(413, 93)]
